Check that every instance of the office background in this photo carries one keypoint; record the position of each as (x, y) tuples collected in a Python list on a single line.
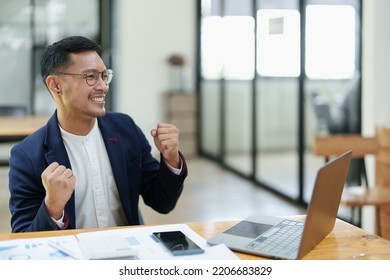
[(375, 84), (144, 34)]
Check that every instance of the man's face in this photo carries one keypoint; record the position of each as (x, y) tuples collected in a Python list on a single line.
[(78, 99)]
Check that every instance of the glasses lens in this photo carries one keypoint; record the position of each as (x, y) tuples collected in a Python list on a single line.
[(107, 76), (91, 77)]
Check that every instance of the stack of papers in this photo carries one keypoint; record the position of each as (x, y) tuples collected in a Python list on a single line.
[(124, 243)]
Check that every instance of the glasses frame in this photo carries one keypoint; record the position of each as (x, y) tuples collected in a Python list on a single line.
[(97, 74)]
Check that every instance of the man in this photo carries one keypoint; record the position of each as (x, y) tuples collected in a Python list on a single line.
[(87, 168)]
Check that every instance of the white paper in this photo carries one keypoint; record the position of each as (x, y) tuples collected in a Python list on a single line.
[(106, 247)]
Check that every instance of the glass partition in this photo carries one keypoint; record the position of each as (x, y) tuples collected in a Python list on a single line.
[(267, 67)]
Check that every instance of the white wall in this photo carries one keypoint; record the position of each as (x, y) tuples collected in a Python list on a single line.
[(382, 63), (376, 68), (376, 80), (148, 32), (376, 64)]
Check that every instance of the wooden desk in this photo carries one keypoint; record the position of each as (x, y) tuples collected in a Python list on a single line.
[(17, 128), (345, 242)]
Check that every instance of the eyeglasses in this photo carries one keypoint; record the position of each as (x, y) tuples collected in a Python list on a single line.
[(92, 76)]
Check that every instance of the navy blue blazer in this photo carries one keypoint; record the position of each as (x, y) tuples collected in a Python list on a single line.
[(136, 173)]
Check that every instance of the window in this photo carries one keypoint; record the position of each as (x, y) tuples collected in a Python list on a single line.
[(330, 42), (261, 69), (278, 50), (228, 47)]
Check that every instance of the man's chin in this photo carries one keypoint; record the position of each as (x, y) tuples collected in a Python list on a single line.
[(99, 113)]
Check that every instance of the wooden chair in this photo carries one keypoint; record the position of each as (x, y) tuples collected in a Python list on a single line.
[(358, 197), (382, 177)]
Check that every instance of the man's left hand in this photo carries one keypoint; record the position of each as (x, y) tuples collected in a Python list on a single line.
[(166, 139)]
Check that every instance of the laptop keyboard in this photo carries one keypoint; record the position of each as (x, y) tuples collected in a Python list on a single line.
[(283, 239)]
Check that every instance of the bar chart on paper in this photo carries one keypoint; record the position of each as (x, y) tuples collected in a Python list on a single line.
[(39, 248)]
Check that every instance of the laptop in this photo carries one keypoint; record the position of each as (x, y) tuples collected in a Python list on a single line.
[(280, 238)]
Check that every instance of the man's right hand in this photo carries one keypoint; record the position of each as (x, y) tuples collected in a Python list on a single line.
[(59, 183)]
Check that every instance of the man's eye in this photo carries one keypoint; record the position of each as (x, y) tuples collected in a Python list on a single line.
[(90, 76)]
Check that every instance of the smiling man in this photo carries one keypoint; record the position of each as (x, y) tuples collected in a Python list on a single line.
[(87, 167)]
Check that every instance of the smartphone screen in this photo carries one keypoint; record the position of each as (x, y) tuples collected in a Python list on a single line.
[(178, 243)]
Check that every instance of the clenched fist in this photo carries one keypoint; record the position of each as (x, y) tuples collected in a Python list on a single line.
[(59, 183), (166, 139)]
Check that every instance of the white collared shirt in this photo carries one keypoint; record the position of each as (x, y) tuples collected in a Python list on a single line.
[(97, 202)]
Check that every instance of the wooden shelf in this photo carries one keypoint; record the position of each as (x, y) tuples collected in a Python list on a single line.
[(181, 110)]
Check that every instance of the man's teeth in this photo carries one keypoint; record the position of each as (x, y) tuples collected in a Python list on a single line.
[(98, 99)]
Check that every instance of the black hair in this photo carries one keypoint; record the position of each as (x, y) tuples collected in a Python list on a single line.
[(56, 56)]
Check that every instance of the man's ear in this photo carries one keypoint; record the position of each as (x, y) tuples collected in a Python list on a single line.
[(53, 84)]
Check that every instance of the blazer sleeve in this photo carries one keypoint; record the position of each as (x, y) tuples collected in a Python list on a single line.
[(163, 192), (27, 195), (160, 187)]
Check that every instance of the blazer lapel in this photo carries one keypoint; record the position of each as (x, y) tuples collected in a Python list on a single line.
[(57, 153), (112, 140)]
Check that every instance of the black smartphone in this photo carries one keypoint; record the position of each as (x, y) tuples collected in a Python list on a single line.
[(178, 243)]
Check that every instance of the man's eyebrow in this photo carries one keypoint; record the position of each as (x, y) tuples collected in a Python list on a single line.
[(89, 70), (92, 70)]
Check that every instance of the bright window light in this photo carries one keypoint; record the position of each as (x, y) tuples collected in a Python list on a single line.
[(238, 50), (278, 47), (228, 47), (330, 42), (212, 44)]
